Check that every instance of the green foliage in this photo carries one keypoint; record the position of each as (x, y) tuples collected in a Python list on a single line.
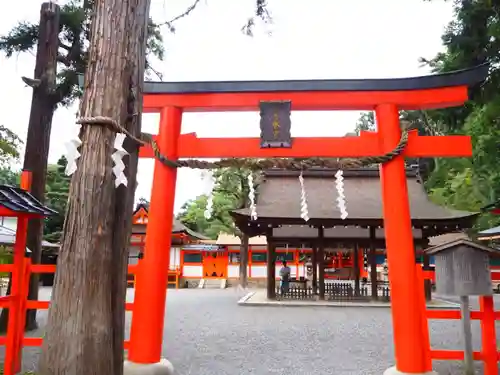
[(24, 373), (74, 35), (366, 122), (9, 177), (9, 146), (5, 258), (56, 197), (472, 38), (230, 193)]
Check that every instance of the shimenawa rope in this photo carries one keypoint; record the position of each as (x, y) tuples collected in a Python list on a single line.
[(296, 164)]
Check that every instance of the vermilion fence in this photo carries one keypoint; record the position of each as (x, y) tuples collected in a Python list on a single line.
[(487, 315), (18, 303)]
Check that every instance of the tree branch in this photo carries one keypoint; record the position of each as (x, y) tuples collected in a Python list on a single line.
[(170, 25), (64, 46), (156, 72)]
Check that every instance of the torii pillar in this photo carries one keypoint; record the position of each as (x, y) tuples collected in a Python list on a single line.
[(410, 348)]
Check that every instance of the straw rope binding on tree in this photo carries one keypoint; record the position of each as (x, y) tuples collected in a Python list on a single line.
[(297, 164)]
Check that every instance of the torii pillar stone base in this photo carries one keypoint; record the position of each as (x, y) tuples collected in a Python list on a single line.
[(395, 371), (163, 367)]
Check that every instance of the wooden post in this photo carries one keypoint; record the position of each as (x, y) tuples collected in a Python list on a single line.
[(244, 253), (321, 263), (314, 261), (373, 264), (467, 336), (146, 336), (488, 335), (356, 270), (406, 314), (271, 269), (43, 104), (427, 282)]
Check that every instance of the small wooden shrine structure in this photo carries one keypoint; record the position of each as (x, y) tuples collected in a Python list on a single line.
[(19, 203), (181, 236), (325, 232)]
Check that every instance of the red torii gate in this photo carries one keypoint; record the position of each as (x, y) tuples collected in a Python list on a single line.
[(385, 96)]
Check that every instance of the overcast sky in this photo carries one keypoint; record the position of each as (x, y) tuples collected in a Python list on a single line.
[(325, 39)]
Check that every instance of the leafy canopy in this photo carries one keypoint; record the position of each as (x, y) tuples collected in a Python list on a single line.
[(74, 36), (230, 193)]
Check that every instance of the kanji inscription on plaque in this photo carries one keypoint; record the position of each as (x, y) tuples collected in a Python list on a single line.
[(275, 124)]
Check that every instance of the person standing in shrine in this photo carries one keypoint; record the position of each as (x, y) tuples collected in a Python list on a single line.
[(285, 278)]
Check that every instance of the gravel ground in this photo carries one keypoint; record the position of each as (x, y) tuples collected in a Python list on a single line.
[(207, 333)]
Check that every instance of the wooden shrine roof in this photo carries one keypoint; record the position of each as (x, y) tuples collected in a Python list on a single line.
[(279, 201), (16, 201), (141, 220), (489, 234)]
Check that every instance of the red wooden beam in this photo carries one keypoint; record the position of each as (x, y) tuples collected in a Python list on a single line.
[(457, 355), (367, 144), (309, 100)]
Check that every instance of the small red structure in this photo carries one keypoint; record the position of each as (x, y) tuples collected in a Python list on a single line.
[(19, 203)]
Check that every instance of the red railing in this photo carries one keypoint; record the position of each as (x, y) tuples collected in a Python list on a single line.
[(18, 304), (487, 315)]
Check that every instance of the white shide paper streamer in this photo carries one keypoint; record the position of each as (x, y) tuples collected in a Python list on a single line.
[(304, 210), (209, 182), (251, 197), (117, 156), (72, 153), (341, 202)]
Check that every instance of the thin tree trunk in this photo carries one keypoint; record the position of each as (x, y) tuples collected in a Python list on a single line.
[(86, 319), (38, 142), (244, 261)]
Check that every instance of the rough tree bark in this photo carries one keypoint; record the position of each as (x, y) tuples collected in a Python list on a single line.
[(38, 142), (244, 261), (86, 319)]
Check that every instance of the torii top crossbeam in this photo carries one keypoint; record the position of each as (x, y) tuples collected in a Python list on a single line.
[(426, 92)]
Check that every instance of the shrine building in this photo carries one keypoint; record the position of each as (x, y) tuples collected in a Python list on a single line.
[(354, 248), (350, 248)]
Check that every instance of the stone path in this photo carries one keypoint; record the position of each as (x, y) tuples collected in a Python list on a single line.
[(207, 333)]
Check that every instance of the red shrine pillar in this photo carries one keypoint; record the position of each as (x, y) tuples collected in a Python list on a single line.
[(407, 321), (151, 287)]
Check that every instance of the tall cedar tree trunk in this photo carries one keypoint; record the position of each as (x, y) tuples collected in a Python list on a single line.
[(86, 320), (244, 260), (38, 142)]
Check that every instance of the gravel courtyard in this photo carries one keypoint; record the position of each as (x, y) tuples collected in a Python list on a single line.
[(207, 333)]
